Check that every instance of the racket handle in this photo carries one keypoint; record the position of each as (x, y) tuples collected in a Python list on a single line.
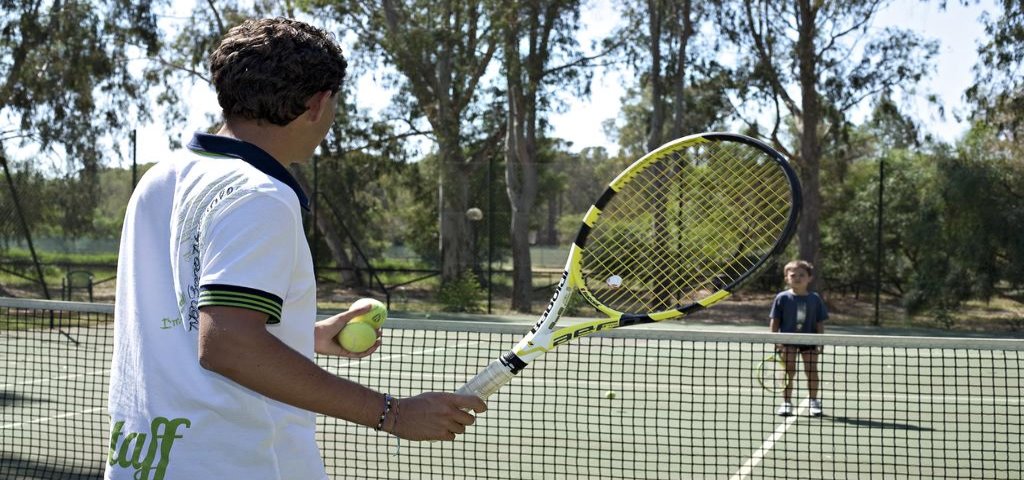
[(488, 381)]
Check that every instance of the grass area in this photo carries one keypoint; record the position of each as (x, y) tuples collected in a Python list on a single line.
[(18, 274)]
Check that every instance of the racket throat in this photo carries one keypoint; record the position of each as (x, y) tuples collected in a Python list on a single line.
[(558, 301), (513, 362)]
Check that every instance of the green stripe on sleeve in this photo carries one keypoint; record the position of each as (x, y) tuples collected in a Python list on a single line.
[(223, 298)]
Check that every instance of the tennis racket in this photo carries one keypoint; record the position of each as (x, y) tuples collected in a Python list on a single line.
[(676, 232), (771, 373)]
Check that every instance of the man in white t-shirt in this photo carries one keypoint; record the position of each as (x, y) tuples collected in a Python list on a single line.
[(215, 321)]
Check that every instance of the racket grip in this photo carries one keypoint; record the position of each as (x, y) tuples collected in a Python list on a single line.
[(488, 381)]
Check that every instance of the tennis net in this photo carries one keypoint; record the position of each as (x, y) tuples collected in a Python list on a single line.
[(633, 403)]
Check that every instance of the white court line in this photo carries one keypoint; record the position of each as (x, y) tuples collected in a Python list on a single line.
[(47, 419), (54, 379), (769, 443)]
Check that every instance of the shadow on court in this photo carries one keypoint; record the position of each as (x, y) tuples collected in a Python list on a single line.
[(9, 399), (878, 424)]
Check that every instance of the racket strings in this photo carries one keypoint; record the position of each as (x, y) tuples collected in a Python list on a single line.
[(692, 222)]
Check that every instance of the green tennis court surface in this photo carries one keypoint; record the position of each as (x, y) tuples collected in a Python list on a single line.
[(685, 405)]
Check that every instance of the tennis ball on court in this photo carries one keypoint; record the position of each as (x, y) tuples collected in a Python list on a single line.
[(375, 317), (357, 337), (610, 394)]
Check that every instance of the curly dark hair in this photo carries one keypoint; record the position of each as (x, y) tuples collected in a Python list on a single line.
[(267, 69)]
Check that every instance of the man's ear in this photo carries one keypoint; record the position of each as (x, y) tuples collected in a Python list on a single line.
[(317, 105)]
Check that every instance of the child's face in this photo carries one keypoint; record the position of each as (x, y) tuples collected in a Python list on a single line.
[(797, 278)]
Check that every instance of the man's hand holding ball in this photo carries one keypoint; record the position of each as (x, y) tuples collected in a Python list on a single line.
[(355, 333)]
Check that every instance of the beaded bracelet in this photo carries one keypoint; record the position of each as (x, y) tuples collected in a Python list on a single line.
[(387, 408)]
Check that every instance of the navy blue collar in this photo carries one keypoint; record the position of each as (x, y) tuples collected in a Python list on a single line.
[(251, 154)]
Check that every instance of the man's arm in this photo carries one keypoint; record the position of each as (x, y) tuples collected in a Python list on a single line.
[(235, 343)]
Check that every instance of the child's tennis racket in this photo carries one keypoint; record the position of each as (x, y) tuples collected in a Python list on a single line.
[(771, 373), (676, 232)]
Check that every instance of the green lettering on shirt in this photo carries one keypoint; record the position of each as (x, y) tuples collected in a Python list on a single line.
[(127, 452)]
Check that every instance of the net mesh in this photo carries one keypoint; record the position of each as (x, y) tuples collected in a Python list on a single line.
[(692, 221), (632, 403)]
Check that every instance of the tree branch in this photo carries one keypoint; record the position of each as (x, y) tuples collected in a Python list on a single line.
[(766, 58)]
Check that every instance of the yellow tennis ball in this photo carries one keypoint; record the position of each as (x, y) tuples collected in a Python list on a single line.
[(610, 394), (357, 337), (375, 317)]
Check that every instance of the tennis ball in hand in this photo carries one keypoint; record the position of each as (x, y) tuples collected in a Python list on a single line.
[(375, 317), (357, 337)]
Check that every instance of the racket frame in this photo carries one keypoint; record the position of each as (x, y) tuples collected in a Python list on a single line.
[(544, 336), (777, 366)]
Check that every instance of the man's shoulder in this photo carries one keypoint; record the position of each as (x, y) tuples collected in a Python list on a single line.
[(234, 175)]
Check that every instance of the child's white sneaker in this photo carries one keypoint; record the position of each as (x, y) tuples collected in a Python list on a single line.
[(785, 410), (815, 407)]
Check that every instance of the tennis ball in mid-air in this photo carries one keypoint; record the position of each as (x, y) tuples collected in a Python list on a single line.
[(357, 337), (375, 317), (610, 394)]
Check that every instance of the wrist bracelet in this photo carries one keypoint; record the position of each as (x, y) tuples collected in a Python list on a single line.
[(394, 416), (387, 408)]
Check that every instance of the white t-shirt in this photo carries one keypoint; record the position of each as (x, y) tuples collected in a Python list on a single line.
[(221, 225)]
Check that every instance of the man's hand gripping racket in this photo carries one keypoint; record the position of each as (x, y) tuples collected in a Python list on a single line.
[(678, 231)]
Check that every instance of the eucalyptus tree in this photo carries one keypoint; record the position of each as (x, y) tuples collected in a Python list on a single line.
[(68, 88), (441, 51), (994, 146), (807, 64), (540, 56), (998, 91), (681, 85), (660, 34), (66, 78)]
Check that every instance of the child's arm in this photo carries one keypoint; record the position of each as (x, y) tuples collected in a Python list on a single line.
[(774, 325), (820, 328), (775, 320)]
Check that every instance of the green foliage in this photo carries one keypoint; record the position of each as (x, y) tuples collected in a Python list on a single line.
[(963, 240), (951, 223), (66, 207), (65, 77), (415, 209), (998, 91), (464, 294), (705, 99), (586, 175)]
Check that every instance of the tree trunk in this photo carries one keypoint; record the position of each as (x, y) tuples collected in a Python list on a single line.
[(551, 226), (456, 241), (521, 181), (808, 232), (683, 29), (528, 25), (443, 81), (656, 9), (522, 264)]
